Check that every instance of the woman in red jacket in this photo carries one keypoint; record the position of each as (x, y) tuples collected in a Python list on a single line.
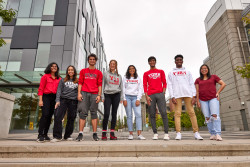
[(47, 99)]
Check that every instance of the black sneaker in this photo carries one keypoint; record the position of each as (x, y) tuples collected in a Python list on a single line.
[(79, 137), (40, 139), (95, 137), (46, 138)]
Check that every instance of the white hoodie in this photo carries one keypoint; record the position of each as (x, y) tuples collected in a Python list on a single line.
[(180, 83), (133, 87)]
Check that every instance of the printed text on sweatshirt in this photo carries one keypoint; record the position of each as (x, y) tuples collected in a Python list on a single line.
[(132, 87)]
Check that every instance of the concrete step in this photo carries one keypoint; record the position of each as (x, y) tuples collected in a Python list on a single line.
[(199, 161), (133, 149)]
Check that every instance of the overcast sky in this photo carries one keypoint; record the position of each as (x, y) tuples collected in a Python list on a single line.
[(133, 30)]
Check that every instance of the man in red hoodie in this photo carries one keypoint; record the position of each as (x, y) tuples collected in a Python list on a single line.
[(89, 95), (154, 83)]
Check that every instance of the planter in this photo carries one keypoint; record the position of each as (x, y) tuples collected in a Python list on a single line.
[(6, 103)]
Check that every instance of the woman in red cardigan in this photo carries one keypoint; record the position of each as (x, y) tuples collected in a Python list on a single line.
[(47, 99)]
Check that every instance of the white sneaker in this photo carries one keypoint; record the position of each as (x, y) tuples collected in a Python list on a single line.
[(166, 137), (178, 136), (140, 137), (197, 136), (155, 137), (55, 140), (130, 137), (69, 139)]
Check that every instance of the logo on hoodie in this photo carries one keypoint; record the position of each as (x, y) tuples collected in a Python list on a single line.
[(113, 80), (154, 75), (180, 73)]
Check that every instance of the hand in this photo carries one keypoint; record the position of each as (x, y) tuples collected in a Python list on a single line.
[(121, 101), (148, 100), (137, 103), (98, 98), (125, 103), (198, 104), (40, 103), (57, 105), (174, 100), (218, 96), (79, 97), (193, 100), (103, 100)]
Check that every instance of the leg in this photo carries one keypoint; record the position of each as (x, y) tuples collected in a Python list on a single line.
[(45, 114), (161, 102), (137, 111), (107, 104), (177, 115), (93, 111), (59, 114), (51, 112), (129, 113), (206, 112), (214, 106), (72, 107), (152, 112), (191, 113), (115, 104), (83, 108)]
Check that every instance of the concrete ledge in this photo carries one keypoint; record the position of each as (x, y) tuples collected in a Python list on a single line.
[(7, 96)]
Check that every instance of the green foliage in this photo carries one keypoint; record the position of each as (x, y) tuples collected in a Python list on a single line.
[(244, 71), (246, 19), (119, 124), (125, 125)]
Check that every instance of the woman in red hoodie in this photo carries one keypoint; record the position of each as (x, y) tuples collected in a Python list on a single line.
[(47, 99)]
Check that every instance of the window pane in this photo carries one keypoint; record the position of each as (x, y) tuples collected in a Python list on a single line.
[(39, 69), (37, 8), (24, 8), (82, 56), (13, 4), (42, 56), (83, 27), (47, 23), (16, 55), (28, 21), (89, 9), (49, 7), (3, 65), (13, 66), (4, 50)]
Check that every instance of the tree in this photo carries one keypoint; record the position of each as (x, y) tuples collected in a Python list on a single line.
[(7, 16)]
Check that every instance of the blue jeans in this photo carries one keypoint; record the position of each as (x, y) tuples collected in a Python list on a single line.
[(137, 110), (209, 108)]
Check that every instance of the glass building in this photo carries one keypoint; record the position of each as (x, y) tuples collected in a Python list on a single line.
[(44, 31)]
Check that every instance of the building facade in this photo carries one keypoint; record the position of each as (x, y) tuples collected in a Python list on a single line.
[(228, 46), (44, 31)]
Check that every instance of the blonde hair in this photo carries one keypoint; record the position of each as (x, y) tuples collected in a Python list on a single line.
[(116, 70)]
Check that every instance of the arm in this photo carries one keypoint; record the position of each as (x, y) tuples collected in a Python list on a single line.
[(43, 83), (58, 93), (223, 85), (191, 83), (121, 86), (197, 95), (163, 80), (145, 85), (99, 84), (80, 83), (124, 97), (79, 97), (170, 89)]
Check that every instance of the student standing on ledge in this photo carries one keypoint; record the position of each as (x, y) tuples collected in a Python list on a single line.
[(132, 93), (112, 96), (208, 100), (66, 98), (154, 83), (181, 87), (89, 95), (47, 99)]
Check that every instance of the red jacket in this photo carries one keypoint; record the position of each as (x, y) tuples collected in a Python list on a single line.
[(48, 85)]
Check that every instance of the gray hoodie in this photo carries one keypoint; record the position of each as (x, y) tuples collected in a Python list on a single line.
[(112, 84), (67, 90)]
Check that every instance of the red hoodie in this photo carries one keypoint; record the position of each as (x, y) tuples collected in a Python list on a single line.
[(154, 81)]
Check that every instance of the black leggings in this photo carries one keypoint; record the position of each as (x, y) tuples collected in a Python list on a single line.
[(114, 100)]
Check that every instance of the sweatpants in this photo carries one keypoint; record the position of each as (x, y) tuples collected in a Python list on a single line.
[(159, 99), (110, 100)]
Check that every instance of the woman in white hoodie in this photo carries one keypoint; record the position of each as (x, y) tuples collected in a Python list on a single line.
[(132, 93)]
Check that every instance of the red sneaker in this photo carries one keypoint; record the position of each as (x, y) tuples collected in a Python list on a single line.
[(104, 138), (112, 136)]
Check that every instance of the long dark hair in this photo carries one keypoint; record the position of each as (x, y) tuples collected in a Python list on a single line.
[(128, 75), (116, 70), (48, 70), (75, 80), (208, 73)]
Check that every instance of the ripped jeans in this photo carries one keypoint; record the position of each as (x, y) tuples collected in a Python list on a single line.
[(210, 108)]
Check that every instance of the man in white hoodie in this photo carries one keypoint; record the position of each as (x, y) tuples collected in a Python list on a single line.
[(181, 87)]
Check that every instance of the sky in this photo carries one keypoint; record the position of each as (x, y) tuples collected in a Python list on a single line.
[(133, 30)]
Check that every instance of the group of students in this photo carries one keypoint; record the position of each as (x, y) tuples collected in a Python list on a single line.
[(57, 95)]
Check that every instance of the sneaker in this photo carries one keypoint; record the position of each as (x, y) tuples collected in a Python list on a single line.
[(213, 137), (140, 137), (112, 136), (218, 138), (46, 138), (104, 136), (155, 137), (55, 140), (178, 136), (130, 137), (197, 136), (95, 137), (69, 139), (79, 137), (40, 139), (166, 137)]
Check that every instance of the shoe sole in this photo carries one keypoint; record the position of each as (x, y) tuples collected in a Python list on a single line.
[(166, 139), (177, 139), (79, 140), (41, 141), (198, 139)]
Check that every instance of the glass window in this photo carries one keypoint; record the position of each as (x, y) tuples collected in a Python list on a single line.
[(82, 56), (28, 21), (47, 23), (14, 62), (49, 7), (83, 31), (13, 4), (3, 65), (89, 9), (39, 69), (42, 56), (4, 50), (24, 8), (37, 8)]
